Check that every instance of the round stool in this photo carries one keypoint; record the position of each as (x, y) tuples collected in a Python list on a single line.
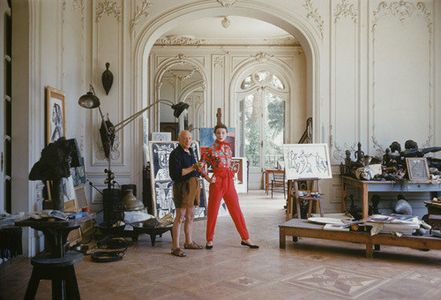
[(60, 271)]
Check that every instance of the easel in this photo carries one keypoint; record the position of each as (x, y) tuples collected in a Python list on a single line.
[(305, 189)]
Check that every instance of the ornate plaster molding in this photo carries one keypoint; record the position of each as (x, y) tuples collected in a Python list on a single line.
[(142, 11), (312, 13), (403, 10), (218, 60), (226, 3), (262, 57), (109, 8), (175, 40), (379, 149), (344, 9)]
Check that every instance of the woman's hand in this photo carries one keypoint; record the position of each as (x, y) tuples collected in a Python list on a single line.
[(212, 179)]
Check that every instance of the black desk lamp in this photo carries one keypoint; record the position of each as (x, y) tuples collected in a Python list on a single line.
[(108, 130)]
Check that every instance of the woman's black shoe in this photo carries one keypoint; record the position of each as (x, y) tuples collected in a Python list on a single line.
[(249, 245), (209, 247)]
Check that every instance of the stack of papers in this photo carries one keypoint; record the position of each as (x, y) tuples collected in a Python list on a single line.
[(394, 223)]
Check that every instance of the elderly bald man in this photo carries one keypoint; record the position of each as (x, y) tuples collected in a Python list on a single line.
[(183, 170)]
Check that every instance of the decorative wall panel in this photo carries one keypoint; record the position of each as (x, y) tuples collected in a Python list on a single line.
[(345, 79), (401, 99)]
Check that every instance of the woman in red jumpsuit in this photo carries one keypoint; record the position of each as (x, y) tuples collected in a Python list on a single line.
[(222, 186)]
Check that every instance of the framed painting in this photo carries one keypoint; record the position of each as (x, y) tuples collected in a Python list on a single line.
[(417, 169), (161, 136), (162, 184), (307, 161), (239, 166), (55, 115)]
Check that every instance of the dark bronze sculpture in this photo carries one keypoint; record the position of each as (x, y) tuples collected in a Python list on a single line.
[(56, 160), (107, 79)]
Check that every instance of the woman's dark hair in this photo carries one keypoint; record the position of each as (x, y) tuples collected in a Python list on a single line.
[(220, 126)]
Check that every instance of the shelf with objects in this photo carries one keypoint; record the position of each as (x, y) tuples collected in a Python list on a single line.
[(401, 172)]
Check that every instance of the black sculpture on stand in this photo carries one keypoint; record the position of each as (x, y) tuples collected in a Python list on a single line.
[(56, 160)]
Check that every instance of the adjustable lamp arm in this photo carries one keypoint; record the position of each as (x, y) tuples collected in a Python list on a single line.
[(125, 122)]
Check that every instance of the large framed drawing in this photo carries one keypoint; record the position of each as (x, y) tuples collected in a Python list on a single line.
[(55, 117), (307, 161), (162, 185)]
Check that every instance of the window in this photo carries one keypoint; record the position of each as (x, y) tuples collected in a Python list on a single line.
[(262, 119)]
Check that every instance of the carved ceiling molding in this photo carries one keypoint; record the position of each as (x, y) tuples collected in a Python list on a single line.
[(403, 10), (262, 57), (227, 3), (344, 10), (175, 40), (108, 7), (142, 11), (312, 13), (218, 60)]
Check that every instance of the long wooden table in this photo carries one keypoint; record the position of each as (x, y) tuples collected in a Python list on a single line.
[(302, 228), (365, 187)]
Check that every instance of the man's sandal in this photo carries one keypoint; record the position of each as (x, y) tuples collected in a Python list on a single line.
[(192, 245), (178, 252)]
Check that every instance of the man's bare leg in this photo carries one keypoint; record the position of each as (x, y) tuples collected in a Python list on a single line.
[(189, 217), (180, 212)]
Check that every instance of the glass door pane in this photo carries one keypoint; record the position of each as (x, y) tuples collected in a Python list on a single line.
[(251, 135), (273, 129)]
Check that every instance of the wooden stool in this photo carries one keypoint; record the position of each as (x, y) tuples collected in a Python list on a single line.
[(62, 273)]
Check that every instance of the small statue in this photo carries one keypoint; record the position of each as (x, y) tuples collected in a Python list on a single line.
[(386, 157), (219, 116), (359, 154), (348, 162), (107, 79)]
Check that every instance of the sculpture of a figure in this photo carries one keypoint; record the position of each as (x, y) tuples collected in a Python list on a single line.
[(386, 157), (412, 150), (358, 154), (107, 79)]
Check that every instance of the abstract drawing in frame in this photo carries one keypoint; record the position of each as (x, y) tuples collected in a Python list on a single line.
[(162, 184), (307, 161), (55, 116)]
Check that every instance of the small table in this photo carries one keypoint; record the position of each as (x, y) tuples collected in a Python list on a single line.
[(365, 187), (267, 172), (55, 232), (152, 231)]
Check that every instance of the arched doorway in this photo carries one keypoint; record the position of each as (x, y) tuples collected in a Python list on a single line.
[(292, 24)]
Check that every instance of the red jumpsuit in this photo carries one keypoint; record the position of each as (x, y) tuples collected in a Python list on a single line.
[(219, 157)]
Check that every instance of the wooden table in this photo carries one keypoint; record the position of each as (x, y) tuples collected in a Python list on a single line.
[(364, 187), (302, 228), (267, 172)]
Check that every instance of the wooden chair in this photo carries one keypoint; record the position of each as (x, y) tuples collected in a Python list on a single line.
[(307, 190), (278, 183)]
